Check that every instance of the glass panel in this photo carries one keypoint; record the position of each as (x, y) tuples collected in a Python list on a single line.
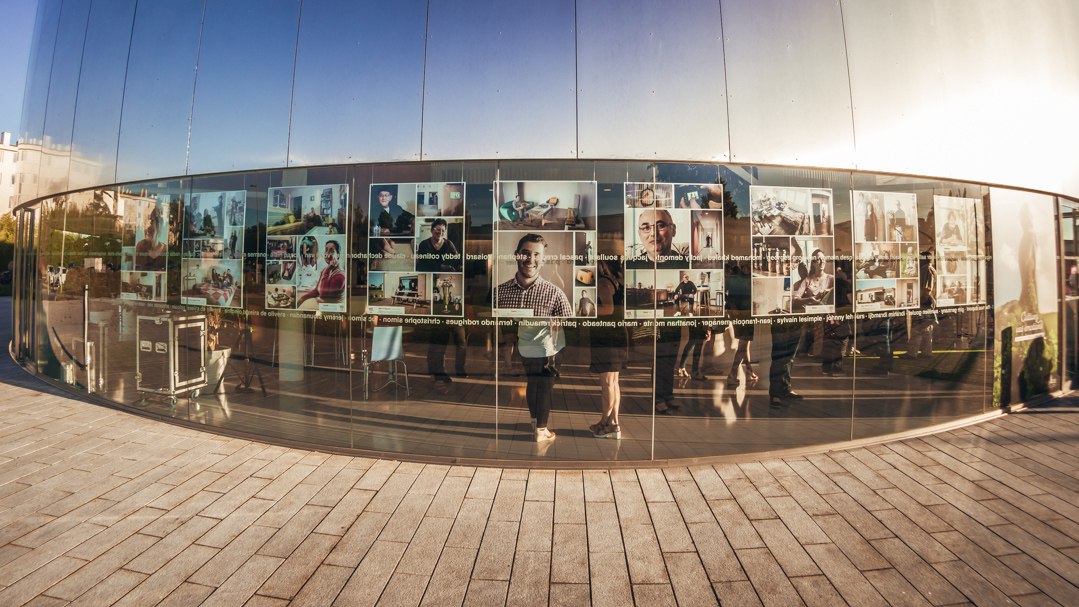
[(1069, 221), (1025, 294), (764, 370), (91, 254), (690, 97), (157, 97), (418, 224), (867, 297), (38, 72), (26, 285), (57, 311), (63, 88), (258, 41), (922, 364), (101, 92), (785, 61), (133, 317), (374, 113), (531, 112)]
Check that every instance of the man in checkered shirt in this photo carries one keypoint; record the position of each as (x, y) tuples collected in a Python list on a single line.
[(527, 289), (537, 342)]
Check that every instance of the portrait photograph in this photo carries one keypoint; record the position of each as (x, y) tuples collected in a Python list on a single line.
[(555, 266), (439, 243), (658, 238), (391, 214), (328, 292)]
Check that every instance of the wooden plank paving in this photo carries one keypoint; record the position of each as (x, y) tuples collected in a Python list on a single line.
[(99, 507)]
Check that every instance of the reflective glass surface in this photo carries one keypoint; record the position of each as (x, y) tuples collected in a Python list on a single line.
[(156, 114), (63, 88), (910, 74), (101, 92), (637, 311), (359, 82), (1069, 266), (1027, 315), (38, 72), (786, 61), (231, 129), (683, 45), (529, 70)]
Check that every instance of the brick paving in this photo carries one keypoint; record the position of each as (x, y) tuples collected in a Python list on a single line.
[(101, 507)]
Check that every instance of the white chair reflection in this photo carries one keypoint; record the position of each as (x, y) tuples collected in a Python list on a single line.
[(387, 345)]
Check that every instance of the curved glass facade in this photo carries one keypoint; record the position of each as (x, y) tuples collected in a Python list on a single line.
[(410, 309)]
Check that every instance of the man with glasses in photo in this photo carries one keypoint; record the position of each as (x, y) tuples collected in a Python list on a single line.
[(655, 233)]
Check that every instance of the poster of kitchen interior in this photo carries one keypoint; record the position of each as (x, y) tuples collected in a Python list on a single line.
[(886, 251), (792, 250), (674, 250), (144, 246), (416, 237), (545, 237), (960, 252), (306, 248), (212, 249)]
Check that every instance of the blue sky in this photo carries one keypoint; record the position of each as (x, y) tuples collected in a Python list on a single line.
[(18, 19)]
